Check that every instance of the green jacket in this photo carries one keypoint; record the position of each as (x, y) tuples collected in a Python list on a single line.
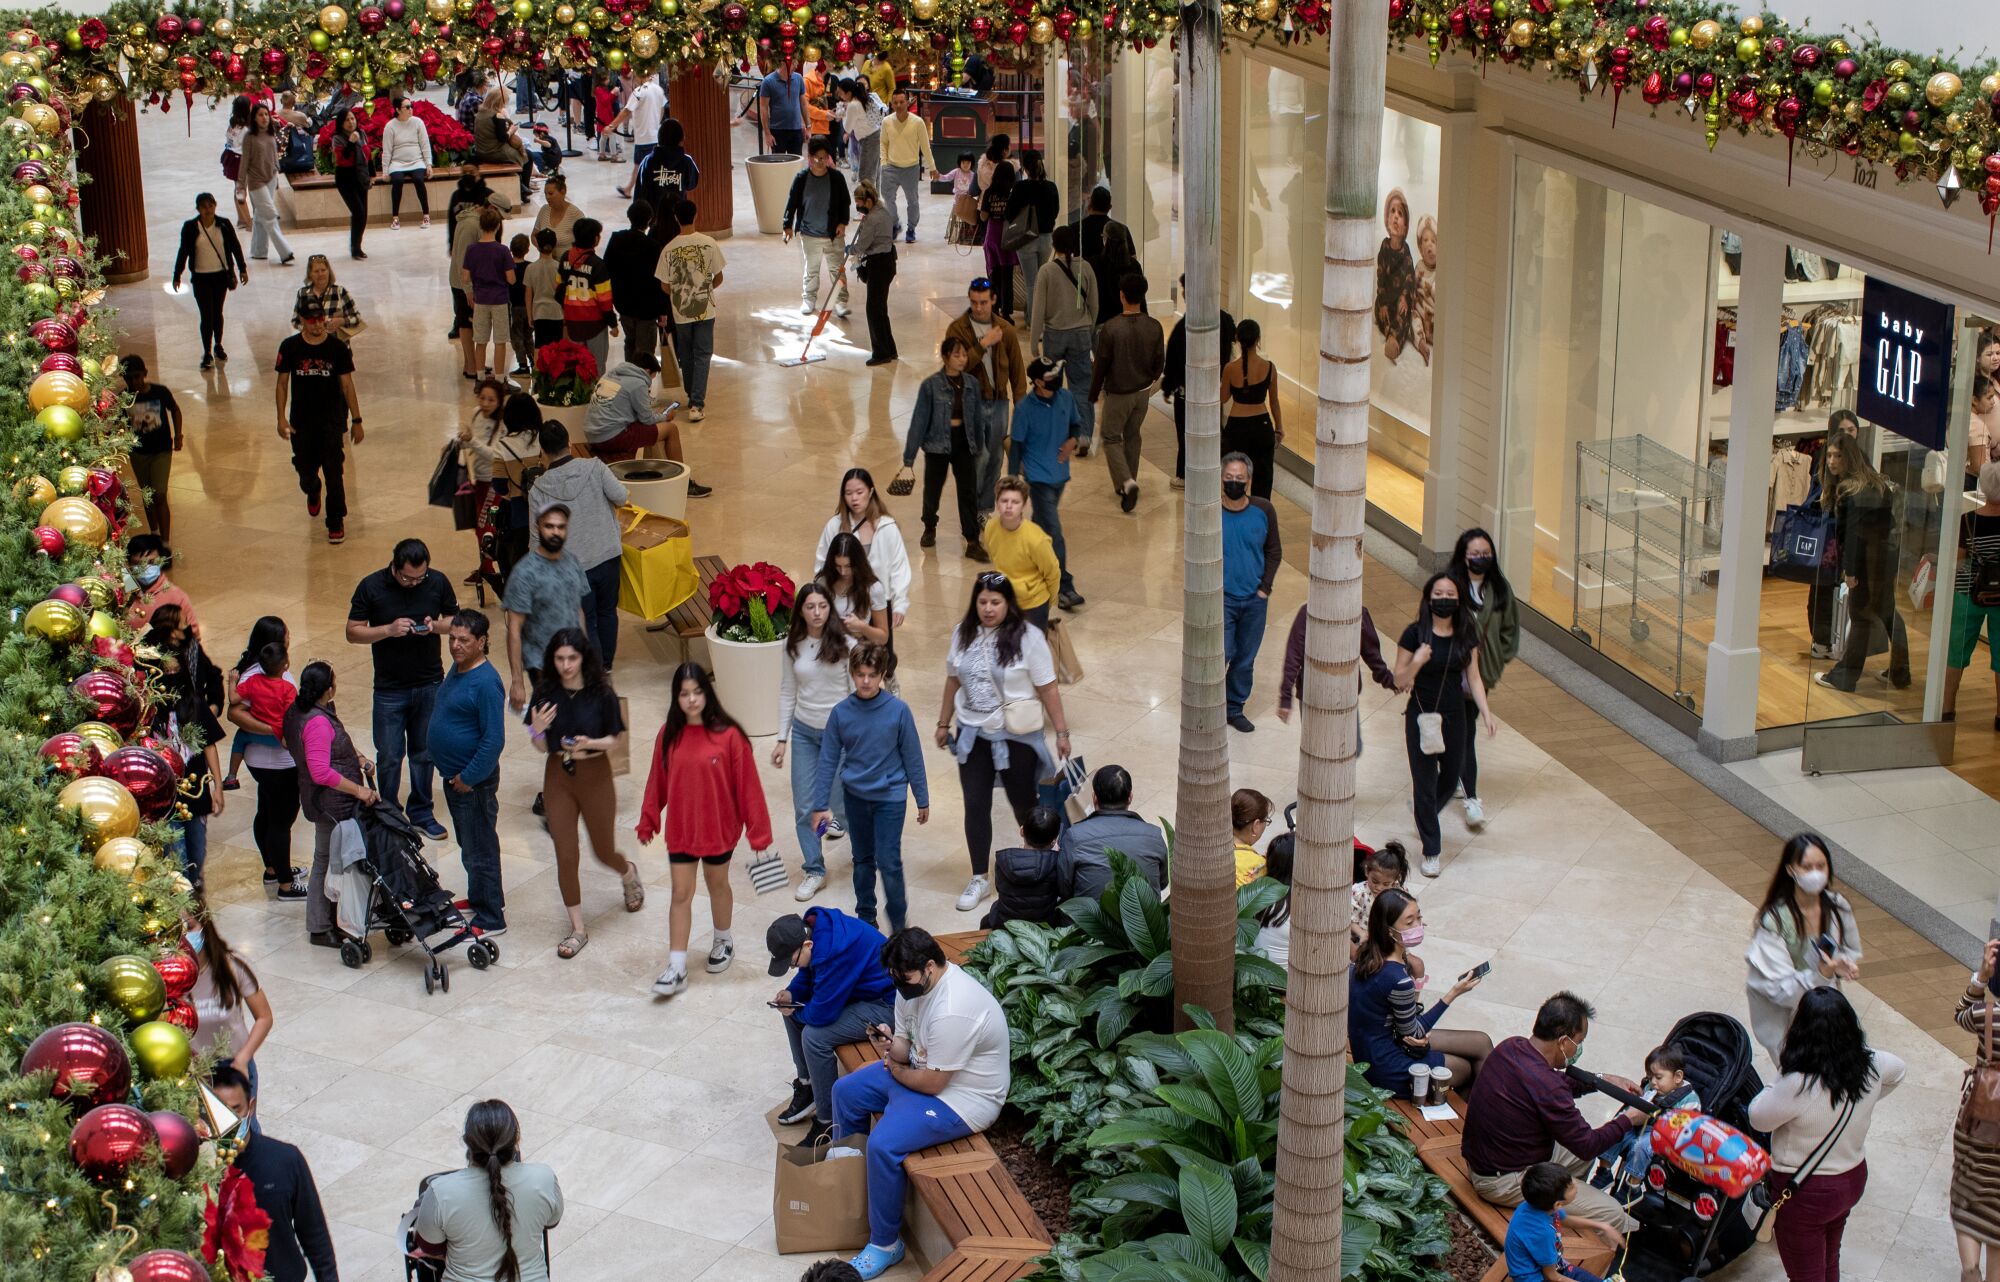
[(1499, 629)]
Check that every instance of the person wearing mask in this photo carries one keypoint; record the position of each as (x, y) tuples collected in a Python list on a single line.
[(1125, 368), (496, 141), (1495, 617), (1108, 248), (1975, 1152), (588, 311), (468, 730), (1252, 551), (1250, 814), (870, 751), (1062, 324), (320, 287), (841, 991), (1818, 1113), (1046, 429), (298, 1238), (811, 680), (1253, 420), (406, 159), (488, 279), (816, 211), (1864, 504), (149, 559), (781, 98), (490, 1219), (233, 1014), (704, 776), (259, 179), (1522, 1110), (632, 257), (1033, 190), (999, 694), (874, 252), (860, 512), (399, 612), (331, 785), (190, 688), (590, 495), (669, 174), (576, 719), (1023, 552), (317, 415), (209, 247), (270, 765), (1804, 937), (1437, 662), (993, 352), (1386, 1023), (906, 161), (353, 167), (1085, 866), (689, 272), (1175, 385), (953, 444), (1978, 540), (861, 114), (546, 593), (1027, 879), (1274, 921), (996, 190)]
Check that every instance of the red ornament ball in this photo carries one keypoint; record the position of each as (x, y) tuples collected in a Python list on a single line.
[(982, 27), (90, 1065), (180, 1012), (735, 16), (147, 776), (1017, 31), (166, 1266), (1846, 68), (179, 1145), (169, 28), (71, 593), (56, 335), (109, 1139), (177, 972), (371, 19), (886, 11), (50, 541), (394, 9), (71, 755), (111, 698)]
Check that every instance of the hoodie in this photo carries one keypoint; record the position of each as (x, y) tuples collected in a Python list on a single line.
[(621, 398), (846, 967), (874, 742), (707, 785), (593, 495)]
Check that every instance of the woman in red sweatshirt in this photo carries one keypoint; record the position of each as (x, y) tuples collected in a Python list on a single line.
[(704, 777)]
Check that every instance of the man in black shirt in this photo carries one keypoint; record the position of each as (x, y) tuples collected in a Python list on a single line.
[(632, 257), (316, 377), (1106, 244), (285, 1191), (156, 420), (400, 612), (669, 174), (1174, 382)]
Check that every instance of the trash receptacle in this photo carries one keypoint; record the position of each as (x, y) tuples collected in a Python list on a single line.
[(770, 185), (658, 485)]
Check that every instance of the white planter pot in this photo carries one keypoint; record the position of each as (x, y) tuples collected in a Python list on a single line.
[(658, 485), (746, 680), (770, 187), (570, 416)]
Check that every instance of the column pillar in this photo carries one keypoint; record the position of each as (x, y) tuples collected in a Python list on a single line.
[(1729, 711), (1055, 125), (112, 206), (1458, 201), (702, 107)]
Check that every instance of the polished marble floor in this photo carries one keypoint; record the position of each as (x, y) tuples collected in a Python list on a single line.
[(653, 1114)]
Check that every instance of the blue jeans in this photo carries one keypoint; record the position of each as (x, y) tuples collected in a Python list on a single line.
[(875, 834), (803, 758), (601, 611), (402, 721), (1071, 349), (694, 348), (1242, 632), (1047, 500), (475, 817), (994, 415), (813, 1046), (910, 1123), (191, 840), (906, 180)]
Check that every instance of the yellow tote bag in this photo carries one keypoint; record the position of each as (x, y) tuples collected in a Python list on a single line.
[(656, 566)]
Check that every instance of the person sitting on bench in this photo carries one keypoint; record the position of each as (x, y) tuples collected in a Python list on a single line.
[(840, 992), (943, 1075), (1086, 865), (1523, 1110), (1027, 883)]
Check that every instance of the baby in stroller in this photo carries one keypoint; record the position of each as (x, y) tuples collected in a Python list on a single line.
[(1623, 1169)]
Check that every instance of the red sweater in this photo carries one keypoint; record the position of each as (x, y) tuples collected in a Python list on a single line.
[(708, 786)]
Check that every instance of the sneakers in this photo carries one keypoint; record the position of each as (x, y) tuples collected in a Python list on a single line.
[(1177, 483), (1821, 651), (434, 830), (720, 956), (909, 238), (808, 886), (976, 551), (537, 808), (1128, 498), (807, 307), (696, 414), (929, 540), (224, 356), (1431, 866), (1475, 814), (843, 311), (816, 1132), (312, 506), (323, 939), (271, 878), (208, 362), (671, 983), (801, 1106), (834, 832), (1069, 599), (696, 490), (975, 890), (427, 220), (231, 784), (395, 224), (874, 1260), (1241, 724), (336, 537), (292, 892)]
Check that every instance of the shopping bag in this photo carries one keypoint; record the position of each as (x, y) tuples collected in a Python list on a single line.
[(820, 1203), (465, 508), (656, 565), (1801, 542), (1069, 668), (1064, 794), (767, 872), (670, 369), (1851, 629), (448, 476)]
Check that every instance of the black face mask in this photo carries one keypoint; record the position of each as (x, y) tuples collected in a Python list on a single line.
[(1235, 489), (1444, 606), (909, 991), (1479, 564), (553, 543)]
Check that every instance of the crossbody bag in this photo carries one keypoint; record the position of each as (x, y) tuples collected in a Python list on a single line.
[(1767, 1226), (1430, 724)]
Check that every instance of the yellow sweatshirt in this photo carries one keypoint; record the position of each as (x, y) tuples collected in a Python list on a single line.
[(1027, 558)]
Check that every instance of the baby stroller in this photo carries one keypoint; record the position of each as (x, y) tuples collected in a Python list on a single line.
[(1687, 1229), (405, 901)]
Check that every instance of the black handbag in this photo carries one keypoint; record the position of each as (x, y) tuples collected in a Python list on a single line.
[(448, 478)]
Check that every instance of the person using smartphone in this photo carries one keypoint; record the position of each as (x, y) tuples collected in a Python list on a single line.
[(841, 992)]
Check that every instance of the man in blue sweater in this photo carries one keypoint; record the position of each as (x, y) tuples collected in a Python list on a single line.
[(468, 730), (872, 738), (1251, 554), (1047, 427), (841, 991)]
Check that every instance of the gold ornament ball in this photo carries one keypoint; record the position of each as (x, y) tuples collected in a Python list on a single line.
[(106, 737), (565, 14), (645, 44), (1266, 10), (53, 620), (600, 17), (59, 387), (79, 520), (42, 118), (224, 28), (437, 10), (1522, 33), (465, 7), (770, 14), (581, 30), (1989, 84), (35, 491), (1938, 91), (1753, 25), (333, 19), (1704, 33), (615, 59), (161, 1050), (128, 857), (811, 53), (1041, 31), (1898, 69), (73, 480), (134, 987), (156, 53), (98, 590), (104, 805)]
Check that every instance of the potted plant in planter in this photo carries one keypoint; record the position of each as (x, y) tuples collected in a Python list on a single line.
[(746, 642), (565, 374)]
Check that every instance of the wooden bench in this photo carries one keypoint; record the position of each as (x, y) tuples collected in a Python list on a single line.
[(690, 619), (1438, 1148), (311, 200)]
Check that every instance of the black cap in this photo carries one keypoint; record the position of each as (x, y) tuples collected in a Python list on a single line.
[(312, 309), (1041, 369), (784, 939)]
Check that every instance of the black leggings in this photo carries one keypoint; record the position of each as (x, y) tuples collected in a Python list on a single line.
[(975, 781), (408, 177), (959, 465), (1432, 779), (277, 811), (1468, 759), (211, 289), (352, 184), (1253, 435), (881, 339)]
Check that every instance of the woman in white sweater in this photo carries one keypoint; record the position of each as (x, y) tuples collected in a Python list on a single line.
[(812, 678), (1805, 939), (406, 158), (859, 512), (1818, 1113)]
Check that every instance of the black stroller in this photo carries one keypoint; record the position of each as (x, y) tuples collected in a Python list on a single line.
[(405, 901), (421, 1264)]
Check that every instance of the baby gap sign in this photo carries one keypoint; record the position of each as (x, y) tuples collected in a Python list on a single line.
[(1905, 363)]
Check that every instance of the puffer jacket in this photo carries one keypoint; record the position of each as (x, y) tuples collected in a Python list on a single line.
[(1026, 888)]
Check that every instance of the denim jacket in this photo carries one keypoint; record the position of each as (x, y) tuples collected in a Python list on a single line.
[(930, 420)]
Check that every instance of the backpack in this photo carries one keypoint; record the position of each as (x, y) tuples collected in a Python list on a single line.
[(298, 157)]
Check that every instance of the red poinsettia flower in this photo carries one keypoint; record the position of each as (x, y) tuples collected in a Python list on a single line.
[(238, 1230)]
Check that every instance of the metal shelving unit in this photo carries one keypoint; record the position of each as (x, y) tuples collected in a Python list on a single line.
[(1648, 524)]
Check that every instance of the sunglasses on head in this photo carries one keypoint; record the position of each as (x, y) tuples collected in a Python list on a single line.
[(991, 579), (980, 282)]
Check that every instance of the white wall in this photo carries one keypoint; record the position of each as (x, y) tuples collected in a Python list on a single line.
[(1921, 26)]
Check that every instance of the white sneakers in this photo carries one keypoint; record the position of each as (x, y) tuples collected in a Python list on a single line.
[(1431, 868), (1475, 814), (808, 886), (671, 983), (975, 890), (720, 956)]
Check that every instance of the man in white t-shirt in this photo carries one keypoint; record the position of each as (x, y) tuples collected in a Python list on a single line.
[(943, 1075), (645, 110), (690, 271)]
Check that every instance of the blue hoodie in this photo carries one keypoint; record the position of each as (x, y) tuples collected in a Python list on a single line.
[(874, 742), (846, 967)]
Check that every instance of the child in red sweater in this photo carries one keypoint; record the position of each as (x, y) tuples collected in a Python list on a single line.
[(704, 777), (604, 101)]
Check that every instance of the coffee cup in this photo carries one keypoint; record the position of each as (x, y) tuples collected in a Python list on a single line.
[(1440, 1083), (1420, 1082)]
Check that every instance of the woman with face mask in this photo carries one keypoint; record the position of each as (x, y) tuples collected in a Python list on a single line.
[(1386, 1023), (1437, 662), (1488, 602), (1805, 938)]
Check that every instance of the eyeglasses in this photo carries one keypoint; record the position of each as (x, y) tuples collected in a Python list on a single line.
[(991, 579), (980, 282)]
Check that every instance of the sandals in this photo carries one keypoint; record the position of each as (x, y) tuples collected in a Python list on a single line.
[(572, 944), (635, 890)]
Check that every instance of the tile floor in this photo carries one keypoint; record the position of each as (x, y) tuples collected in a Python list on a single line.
[(653, 1113)]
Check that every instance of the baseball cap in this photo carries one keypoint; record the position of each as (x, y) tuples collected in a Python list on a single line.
[(312, 309), (784, 938), (1041, 369)]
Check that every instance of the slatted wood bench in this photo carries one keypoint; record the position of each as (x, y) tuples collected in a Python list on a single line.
[(311, 200), (690, 619)]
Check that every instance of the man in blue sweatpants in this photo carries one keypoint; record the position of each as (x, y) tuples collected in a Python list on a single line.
[(943, 1075), (840, 992)]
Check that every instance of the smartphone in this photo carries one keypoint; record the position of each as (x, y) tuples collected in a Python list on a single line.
[(820, 828), (1825, 945), (1481, 971), (671, 407), (782, 1005), (885, 1032), (569, 741), (420, 625)]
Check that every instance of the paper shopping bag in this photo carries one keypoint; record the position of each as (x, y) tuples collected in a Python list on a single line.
[(820, 1203), (1069, 668), (656, 564)]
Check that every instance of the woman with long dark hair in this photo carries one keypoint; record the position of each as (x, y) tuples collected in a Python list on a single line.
[(1818, 1113), (1437, 662), (1975, 1156), (210, 250), (233, 1014), (994, 199), (490, 1220), (1274, 923), (999, 697), (811, 680), (859, 511), (1254, 423), (1488, 602), (1386, 1021), (1867, 530), (704, 775), (1820, 591), (952, 443), (1804, 937), (257, 745), (332, 785), (190, 689), (859, 598), (353, 171)]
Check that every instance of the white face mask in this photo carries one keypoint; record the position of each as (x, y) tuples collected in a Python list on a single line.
[(1810, 882)]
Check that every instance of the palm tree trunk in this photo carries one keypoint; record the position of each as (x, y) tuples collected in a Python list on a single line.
[(1305, 1233), (1204, 875)]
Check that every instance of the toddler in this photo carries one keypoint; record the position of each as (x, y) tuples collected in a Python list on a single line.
[(1666, 1085), (1534, 1234), (963, 181), (519, 331), (270, 698), (1375, 871)]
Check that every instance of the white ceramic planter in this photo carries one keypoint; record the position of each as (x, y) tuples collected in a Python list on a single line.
[(746, 680), (656, 484), (770, 187)]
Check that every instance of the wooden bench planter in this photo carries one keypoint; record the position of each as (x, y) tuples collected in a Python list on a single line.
[(690, 619), (310, 200)]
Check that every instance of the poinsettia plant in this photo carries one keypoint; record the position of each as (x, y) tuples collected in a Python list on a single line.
[(565, 372), (238, 1230), (451, 141), (752, 602)]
